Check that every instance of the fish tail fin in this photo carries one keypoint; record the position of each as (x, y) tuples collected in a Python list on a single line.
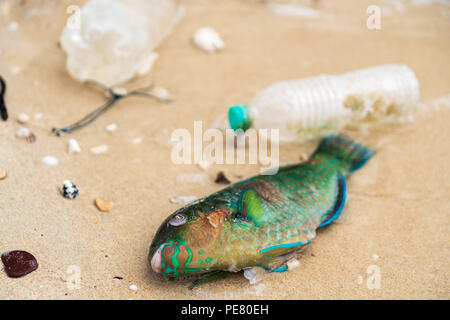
[(351, 155)]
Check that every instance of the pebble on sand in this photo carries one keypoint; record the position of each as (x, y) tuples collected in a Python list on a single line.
[(69, 189), (3, 174), (50, 161), (103, 206), (221, 179), (18, 263)]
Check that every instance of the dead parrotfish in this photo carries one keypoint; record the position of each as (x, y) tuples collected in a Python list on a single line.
[(259, 222)]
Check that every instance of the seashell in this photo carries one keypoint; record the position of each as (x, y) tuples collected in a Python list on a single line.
[(23, 118), (100, 149), (73, 147), (111, 127), (26, 134), (208, 40), (133, 287), (50, 161)]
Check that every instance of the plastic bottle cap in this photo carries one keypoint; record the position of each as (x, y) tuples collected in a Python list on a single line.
[(239, 117)]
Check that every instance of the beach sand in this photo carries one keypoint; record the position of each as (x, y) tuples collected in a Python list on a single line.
[(396, 221)]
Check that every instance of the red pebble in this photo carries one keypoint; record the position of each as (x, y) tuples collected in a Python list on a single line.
[(19, 263)]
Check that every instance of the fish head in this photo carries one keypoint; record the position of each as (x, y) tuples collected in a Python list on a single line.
[(189, 241)]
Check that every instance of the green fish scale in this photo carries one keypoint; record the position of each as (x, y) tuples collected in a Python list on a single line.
[(300, 206), (307, 193)]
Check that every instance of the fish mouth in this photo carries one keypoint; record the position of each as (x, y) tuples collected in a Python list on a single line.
[(157, 259)]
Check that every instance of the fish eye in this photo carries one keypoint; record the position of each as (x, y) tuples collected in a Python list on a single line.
[(178, 220)]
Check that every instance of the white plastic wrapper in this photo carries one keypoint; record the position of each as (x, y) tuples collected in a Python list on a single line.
[(111, 41)]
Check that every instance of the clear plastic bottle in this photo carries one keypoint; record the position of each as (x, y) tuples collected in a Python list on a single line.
[(311, 106)]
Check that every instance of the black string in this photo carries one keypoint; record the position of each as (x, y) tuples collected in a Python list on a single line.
[(3, 111), (91, 117)]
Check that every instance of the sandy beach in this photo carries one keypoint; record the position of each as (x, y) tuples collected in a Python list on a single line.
[(397, 216)]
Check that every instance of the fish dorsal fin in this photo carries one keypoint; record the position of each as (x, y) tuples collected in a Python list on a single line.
[(251, 206), (339, 205)]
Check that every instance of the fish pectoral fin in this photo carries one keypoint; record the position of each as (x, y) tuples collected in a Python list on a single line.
[(251, 206), (209, 277), (278, 258), (281, 268), (339, 205)]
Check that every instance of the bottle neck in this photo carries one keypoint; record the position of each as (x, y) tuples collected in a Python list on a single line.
[(239, 117)]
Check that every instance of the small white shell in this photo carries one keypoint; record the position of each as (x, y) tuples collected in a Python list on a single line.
[(100, 149), (204, 164), (73, 147), (133, 287), (23, 118), (111, 127), (208, 40), (292, 264), (161, 93), (22, 133), (50, 161)]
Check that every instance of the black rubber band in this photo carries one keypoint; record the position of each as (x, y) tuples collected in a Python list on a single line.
[(3, 110), (91, 117)]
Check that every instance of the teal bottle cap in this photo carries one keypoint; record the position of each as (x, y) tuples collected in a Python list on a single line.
[(239, 117)]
